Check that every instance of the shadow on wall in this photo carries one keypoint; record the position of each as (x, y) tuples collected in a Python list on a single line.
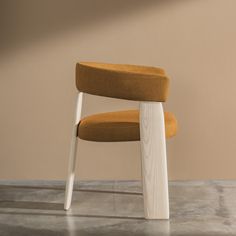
[(26, 21)]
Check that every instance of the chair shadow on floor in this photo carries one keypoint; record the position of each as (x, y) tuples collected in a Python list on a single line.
[(12, 207), (30, 205), (49, 210)]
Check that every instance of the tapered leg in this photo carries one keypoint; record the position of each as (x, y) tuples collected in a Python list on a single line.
[(72, 157), (154, 163)]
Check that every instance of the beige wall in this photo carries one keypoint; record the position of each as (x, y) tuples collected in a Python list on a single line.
[(194, 40)]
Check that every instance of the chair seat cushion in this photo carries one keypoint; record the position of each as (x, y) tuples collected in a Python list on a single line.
[(118, 126)]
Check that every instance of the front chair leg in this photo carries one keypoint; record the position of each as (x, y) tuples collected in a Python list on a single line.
[(154, 163), (72, 157)]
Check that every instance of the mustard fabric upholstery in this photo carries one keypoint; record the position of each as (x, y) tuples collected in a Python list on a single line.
[(118, 126), (139, 83)]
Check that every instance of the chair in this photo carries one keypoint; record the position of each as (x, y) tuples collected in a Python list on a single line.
[(149, 124)]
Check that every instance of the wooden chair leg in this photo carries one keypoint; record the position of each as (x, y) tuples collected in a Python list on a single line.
[(72, 157), (71, 174), (154, 163)]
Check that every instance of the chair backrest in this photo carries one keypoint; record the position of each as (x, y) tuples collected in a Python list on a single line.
[(131, 82)]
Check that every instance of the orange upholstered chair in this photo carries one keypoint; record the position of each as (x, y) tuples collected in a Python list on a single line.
[(149, 124)]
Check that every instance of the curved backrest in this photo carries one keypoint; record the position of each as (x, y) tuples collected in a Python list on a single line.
[(139, 83)]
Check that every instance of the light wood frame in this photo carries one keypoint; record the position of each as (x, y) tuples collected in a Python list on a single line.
[(153, 157)]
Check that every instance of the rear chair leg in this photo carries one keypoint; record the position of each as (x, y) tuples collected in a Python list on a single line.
[(154, 163), (72, 157)]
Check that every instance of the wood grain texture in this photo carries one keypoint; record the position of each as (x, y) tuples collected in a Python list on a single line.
[(154, 163), (73, 151)]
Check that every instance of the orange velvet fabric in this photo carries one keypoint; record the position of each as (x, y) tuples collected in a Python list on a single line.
[(139, 83), (118, 126)]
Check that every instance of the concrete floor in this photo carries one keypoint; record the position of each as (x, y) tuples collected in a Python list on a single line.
[(36, 208)]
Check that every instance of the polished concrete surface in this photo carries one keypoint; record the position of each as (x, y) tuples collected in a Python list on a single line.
[(115, 208)]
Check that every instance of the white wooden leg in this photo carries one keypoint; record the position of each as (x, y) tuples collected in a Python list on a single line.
[(72, 157), (154, 163)]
